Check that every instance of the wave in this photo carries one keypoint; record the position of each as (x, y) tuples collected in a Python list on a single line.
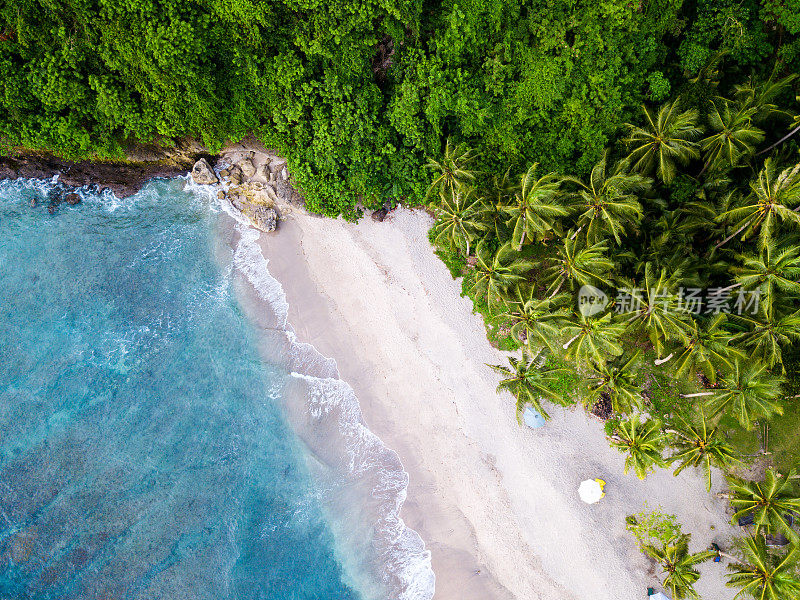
[(332, 425)]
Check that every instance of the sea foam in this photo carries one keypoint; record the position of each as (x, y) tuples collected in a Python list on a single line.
[(336, 433)]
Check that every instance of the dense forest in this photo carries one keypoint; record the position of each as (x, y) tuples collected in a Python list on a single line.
[(356, 94)]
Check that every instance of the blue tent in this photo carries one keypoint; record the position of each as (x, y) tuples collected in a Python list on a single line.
[(532, 417)]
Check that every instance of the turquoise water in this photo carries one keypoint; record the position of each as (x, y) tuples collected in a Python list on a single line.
[(143, 450)]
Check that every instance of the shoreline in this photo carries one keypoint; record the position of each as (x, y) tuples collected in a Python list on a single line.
[(496, 504)]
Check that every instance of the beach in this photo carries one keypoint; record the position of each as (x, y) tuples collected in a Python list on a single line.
[(495, 503)]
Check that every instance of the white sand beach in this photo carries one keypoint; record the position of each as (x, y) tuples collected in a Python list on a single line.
[(496, 503)]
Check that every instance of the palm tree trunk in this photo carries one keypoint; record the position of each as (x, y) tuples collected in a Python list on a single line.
[(733, 235), (565, 346), (696, 395), (660, 361), (780, 141), (558, 289)]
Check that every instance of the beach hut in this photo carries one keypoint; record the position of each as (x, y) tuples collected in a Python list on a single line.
[(533, 418), (591, 490)]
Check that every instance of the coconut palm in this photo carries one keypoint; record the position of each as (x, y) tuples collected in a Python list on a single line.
[(536, 321), (579, 264), (701, 447), (496, 273), (459, 220), (608, 204), (655, 307), (769, 502), (706, 349), (760, 95), (768, 333), (771, 201), (592, 338), (776, 268), (452, 170), (748, 392), (643, 442), (535, 206), (529, 382), (734, 135), (679, 565), (762, 575), (664, 141), (617, 380)]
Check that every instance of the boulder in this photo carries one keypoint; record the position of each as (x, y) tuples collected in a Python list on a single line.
[(237, 177), (203, 174), (379, 215), (284, 174), (221, 195), (248, 170), (275, 164), (263, 171), (72, 199), (263, 218), (225, 173)]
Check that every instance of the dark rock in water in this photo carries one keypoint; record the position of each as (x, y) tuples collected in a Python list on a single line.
[(379, 215), (33, 202), (54, 197), (203, 174), (72, 199), (51, 208), (122, 178), (263, 218)]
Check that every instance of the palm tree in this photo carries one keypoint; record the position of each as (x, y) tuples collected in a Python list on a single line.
[(459, 220), (535, 319), (765, 576), (777, 268), (679, 565), (618, 381), (768, 333), (608, 203), (643, 442), (592, 338), (579, 264), (749, 392), (656, 308), (452, 170), (529, 381), (734, 135), (665, 140), (535, 207), (772, 198), (706, 349), (496, 273), (699, 446), (769, 502)]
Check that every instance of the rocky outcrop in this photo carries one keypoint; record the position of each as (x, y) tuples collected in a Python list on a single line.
[(248, 170), (257, 204), (203, 174)]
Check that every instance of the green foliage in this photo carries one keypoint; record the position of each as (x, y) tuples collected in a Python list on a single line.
[(653, 527)]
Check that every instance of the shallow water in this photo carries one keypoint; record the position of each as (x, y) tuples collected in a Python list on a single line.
[(144, 450)]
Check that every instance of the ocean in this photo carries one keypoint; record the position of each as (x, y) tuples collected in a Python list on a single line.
[(163, 435)]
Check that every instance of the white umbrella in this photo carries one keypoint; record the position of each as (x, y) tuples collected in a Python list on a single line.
[(590, 491), (659, 596)]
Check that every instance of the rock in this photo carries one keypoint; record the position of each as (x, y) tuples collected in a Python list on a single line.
[(272, 195), (225, 173), (248, 170), (203, 174), (33, 202), (237, 177), (275, 164), (263, 171), (72, 199), (284, 174), (263, 218), (379, 215), (221, 195), (51, 208)]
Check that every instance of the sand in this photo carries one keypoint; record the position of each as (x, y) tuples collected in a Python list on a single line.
[(496, 503)]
